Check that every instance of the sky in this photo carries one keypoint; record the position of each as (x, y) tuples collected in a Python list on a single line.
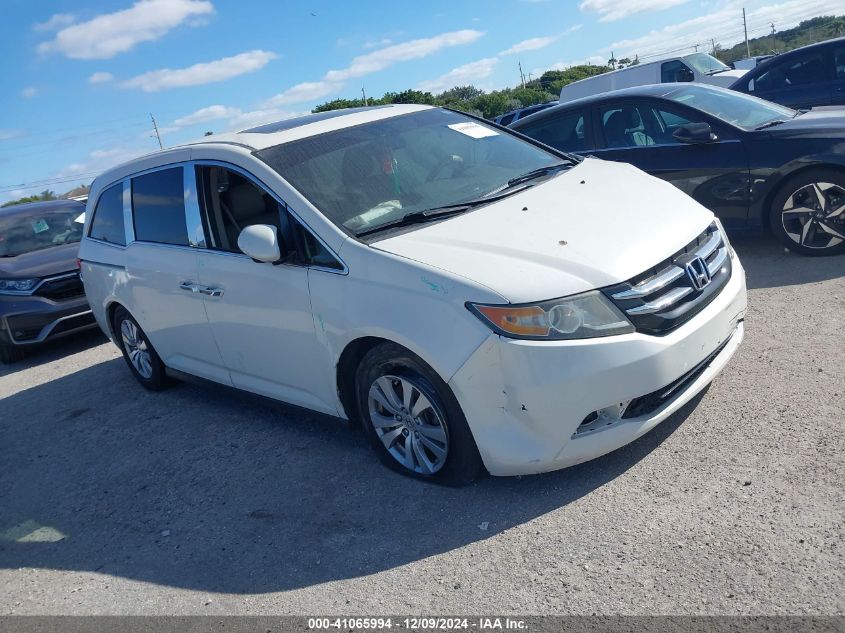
[(81, 78)]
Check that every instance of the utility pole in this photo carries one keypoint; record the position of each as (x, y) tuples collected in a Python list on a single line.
[(521, 75), (363, 95), (773, 37), (155, 128), (713, 44), (745, 28)]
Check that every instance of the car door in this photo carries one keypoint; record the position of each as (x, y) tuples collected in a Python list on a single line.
[(260, 314), (640, 132), (565, 130), (161, 267), (800, 80)]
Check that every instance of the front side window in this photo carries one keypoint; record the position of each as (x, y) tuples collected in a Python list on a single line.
[(158, 207), (565, 131), (230, 202), (369, 175), (799, 70), (839, 61), (107, 223), (735, 108), (673, 71), (35, 230), (628, 126)]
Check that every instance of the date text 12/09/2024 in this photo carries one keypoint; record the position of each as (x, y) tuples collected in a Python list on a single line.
[(417, 624)]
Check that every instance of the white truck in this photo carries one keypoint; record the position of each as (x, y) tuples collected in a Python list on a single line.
[(699, 67)]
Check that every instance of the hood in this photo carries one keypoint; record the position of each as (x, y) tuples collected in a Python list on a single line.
[(598, 224), (812, 124), (43, 263), (725, 78)]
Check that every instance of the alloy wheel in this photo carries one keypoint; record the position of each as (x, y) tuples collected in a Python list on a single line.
[(411, 428), (136, 348), (814, 215)]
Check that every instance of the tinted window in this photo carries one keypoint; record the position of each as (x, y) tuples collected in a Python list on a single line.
[(731, 107), (508, 118), (158, 207), (628, 126), (673, 71), (839, 62), (564, 131), (107, 224), (799, 70)]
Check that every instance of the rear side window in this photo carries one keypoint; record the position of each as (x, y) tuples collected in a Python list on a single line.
[(158, 207), (839, 62), (800, 70), (565, 132), (107, 223), (673, 71)]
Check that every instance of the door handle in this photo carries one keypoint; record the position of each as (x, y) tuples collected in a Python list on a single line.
[(211, 292), (190, 286)]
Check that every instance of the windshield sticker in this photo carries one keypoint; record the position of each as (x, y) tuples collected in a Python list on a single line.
[(473, 130), (40, 226)]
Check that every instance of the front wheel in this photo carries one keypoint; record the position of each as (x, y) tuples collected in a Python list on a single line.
[(413, 419), (808, 213)]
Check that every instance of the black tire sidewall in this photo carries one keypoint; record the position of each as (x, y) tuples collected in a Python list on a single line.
[(158, 380), (789, 187), (463, 462)]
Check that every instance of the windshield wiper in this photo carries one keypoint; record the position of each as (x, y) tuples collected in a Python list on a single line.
[(537, 173), (434, 213), (770, 124)]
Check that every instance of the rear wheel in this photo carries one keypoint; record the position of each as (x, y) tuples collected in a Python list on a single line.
[(808, 213), (138, 352), (413, 419)]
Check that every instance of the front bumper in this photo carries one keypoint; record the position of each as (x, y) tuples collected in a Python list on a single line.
[(525, 401), (29, 320)]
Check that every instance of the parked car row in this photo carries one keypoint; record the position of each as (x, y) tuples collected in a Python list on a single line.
[(806, 77)]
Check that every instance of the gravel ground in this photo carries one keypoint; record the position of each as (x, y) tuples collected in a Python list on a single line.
[(200, 501)]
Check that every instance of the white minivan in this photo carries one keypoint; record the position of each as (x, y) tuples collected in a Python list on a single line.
[(473, 299), (699, 67)]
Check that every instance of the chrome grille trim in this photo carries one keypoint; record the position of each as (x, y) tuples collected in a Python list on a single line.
[(706, 250), (718, 260), (670, 298), (651, 285)]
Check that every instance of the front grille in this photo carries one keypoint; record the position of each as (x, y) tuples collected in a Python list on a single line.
[(63, 287), (666, 296), (652, 401)]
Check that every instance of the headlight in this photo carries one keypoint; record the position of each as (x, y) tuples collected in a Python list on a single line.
[(17, 285), (721, 228), (586, 315)]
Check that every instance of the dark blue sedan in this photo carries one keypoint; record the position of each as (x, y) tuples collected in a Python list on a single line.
[(757, 165)]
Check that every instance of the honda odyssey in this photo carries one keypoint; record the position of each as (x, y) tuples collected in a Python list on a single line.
[(473, 299)]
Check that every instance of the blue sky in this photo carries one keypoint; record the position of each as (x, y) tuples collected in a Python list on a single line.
[(81, 77)]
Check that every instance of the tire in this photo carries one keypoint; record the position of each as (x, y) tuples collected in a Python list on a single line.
[(9, 352), (413, 419), (138, 352), (808, 212)]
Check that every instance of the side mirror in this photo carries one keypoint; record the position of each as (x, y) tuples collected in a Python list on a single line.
[(684, 74), (695, 133), (261, 242)]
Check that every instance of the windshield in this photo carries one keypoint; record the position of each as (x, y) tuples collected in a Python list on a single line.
[(370, 175), (33, 231), (731, 107), (705, 64)]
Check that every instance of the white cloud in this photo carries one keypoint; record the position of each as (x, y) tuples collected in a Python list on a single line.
[(109, 34), (610, 10), (724, 26), (372, 62), (29, 92), (100, 78), (55, 21), (204, 115), (7, 134), (533, 44), (461, 76), (198, 74), (374, 43)]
